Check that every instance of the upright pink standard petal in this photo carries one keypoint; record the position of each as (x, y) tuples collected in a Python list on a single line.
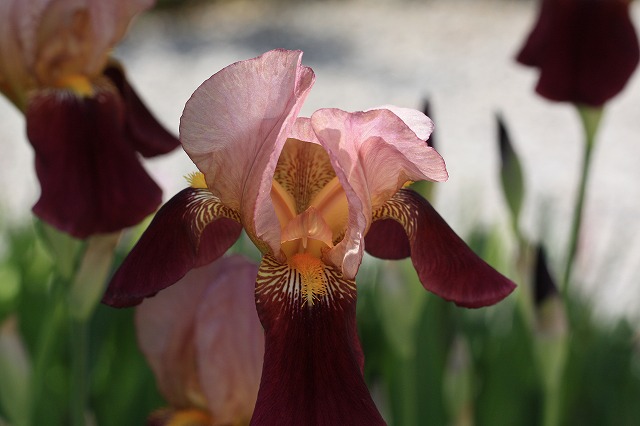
[(373, 153), (14, 77), (75, 36), (204, 342), (234, 127)]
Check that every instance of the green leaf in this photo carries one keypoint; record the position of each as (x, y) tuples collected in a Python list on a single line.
[(15, 373), (63, 248), (510, 172)]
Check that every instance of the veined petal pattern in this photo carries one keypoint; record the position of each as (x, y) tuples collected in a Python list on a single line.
[(190, 230)]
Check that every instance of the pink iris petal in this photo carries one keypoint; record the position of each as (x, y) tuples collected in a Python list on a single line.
[(40, 40), (417, 121), (13, 68), (91, 179), (446, 266), (303, 131), (190, 230), (374, 154), (230, 342), (234, 127), (85, 47), (204, 342), (145, 133)]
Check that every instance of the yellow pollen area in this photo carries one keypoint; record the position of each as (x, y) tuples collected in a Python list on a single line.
[(314, 280), (190, 417), (196, 180), (77, 83)]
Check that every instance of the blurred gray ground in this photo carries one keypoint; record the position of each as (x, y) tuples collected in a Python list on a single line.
[(459, 54)]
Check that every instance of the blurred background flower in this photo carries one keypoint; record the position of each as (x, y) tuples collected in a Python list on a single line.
[(586, 50), (84, 121), (204, 342)]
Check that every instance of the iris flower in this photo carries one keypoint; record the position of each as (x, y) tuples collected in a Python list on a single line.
[(312, 194), (586, 50), (85, 122), (204, 342)]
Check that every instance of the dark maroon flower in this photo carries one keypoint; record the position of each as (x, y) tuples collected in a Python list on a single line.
[(586, 50), (85, 122)]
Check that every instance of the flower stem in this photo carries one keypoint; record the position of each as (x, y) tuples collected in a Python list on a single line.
[(79, 388), (590, 118), (50, 332)]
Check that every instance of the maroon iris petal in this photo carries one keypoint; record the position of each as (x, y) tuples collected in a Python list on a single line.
[(387, 239), (90, 177), (147, 136), (311, 373), (445, 264), (190, 230), (586, 50)]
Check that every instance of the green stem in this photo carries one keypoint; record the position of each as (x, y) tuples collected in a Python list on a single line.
[(50, 333), (79, 388), (590, 120)]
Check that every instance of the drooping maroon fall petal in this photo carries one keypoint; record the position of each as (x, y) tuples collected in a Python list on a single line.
[(91, 179), (311, 373), (388, 240), (586, 50), (190, 230), (445, 264), (146, 134)]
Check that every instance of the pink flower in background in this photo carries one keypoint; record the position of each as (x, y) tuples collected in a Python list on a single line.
[(312, 194), (84, 121), (205, 344), (586, 50)]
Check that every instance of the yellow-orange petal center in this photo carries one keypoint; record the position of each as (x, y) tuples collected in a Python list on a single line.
[(308, 199), (196, 180), (312, 276), (78, 84), (180, 417)]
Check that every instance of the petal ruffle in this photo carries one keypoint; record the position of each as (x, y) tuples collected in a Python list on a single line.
[(91, 179), (312, 365), (204, 342), (14, 77), (71, 37), (146, 134), (234, 127), (190, 230), (586, 50), (445, 264), (373, 153), (44, 41)]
